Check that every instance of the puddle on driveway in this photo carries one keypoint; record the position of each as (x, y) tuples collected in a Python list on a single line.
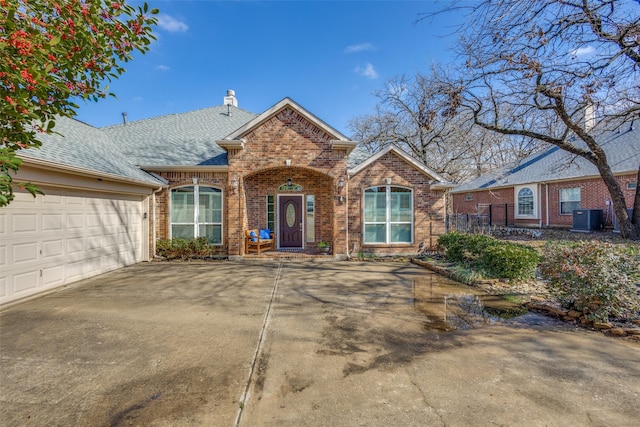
[(449, 306)]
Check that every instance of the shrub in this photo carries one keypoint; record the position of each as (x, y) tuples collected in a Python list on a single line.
[(509, 260), (454, 245), (478, 243), (184, 249), (596, 278), (495, 258)]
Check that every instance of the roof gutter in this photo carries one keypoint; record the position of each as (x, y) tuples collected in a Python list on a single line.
[(76, 170), (546, 181), (442, 185), (184, 168)]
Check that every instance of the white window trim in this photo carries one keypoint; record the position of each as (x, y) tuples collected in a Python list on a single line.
[(560, 201), (274, 211), (196, 209), (536, 198), (388, 222)]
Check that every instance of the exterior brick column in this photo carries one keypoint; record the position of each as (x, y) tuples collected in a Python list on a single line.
[(339, 222), (235, 215)]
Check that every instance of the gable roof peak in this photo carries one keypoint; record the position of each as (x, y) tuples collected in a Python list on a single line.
[(279, 106)]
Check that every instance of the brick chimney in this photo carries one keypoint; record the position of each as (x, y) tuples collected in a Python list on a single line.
[(589, 117)]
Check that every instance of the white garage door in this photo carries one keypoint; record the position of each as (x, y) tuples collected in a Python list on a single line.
[(67, 235)]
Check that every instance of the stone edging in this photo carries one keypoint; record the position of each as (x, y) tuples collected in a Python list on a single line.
[(551, 309)]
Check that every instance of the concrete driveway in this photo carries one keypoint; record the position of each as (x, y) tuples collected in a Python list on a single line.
[(300, 343)]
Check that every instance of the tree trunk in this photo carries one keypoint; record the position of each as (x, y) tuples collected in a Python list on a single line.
[(627, 229), (635, 216)]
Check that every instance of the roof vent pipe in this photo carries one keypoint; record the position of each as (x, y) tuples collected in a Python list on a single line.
[(124, 118), (231, 99)]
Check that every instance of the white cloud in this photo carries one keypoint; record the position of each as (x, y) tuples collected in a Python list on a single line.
[(163, 67), (367, 70), (171, 24), (583, 51), (362, 47)]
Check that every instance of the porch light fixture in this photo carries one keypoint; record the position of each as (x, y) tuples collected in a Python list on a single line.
[(287, 163), (289, 182), (234, 183), (339, 187)]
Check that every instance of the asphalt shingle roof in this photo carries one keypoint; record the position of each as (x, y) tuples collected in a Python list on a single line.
[(357, 156), (83, 146), (184, 139), (179, 139), (622, 147)]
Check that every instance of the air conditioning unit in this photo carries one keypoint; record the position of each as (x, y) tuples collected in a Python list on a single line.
[(586, 220), (616, 226)]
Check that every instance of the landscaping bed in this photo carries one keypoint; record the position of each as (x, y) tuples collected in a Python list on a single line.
[(544, 293)]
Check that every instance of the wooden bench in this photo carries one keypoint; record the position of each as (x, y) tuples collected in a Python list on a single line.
[(256, 244)]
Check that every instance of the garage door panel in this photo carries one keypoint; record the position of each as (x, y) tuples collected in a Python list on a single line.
[(75, 245), (24, 199), (52, 248), (66, 236), (52, 199), (77, 199), (21, 223), (26, 281), (52, 222), (53, 276), (74, 270), (93, 221), (26, 252), (75, 221), (93, 242), (110, 240), (92, 266)]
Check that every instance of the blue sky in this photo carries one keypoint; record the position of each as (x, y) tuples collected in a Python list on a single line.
[(328, 56)]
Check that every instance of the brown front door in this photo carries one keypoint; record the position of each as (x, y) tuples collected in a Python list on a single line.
[(290, 211)]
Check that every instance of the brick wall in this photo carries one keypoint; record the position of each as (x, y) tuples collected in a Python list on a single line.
[(593, 193), (180, 179), (259, 185), (261, 169), (429, 208)]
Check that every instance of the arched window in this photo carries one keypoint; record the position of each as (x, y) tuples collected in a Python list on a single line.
[(388, 215), (196, 211), (525, 201)]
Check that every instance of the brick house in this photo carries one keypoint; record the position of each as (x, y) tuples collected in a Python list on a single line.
[(544, 189), (113, 192)]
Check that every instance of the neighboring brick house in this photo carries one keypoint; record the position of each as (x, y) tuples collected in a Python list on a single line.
[(112, 192), (544, 189)]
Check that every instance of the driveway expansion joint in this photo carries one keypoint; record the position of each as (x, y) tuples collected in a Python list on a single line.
[(244, 399)]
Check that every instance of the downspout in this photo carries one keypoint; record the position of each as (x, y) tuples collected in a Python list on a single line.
[(347, 217), (546, 186)]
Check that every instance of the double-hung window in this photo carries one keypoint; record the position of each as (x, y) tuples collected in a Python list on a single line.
[(569, 200), (388, 215), (196, 211)]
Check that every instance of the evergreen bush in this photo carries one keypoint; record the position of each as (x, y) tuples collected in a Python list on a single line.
[(184, 249), (494, 258), (597, 278)]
